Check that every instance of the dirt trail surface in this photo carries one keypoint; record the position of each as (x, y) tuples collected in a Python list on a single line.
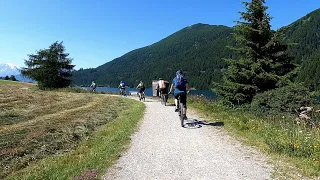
[(162, 149)]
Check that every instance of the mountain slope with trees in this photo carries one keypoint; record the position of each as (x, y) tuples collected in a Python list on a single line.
[(198, 50), (304, 34)]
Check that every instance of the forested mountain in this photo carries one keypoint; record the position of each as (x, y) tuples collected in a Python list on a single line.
[(198, 50), (305, 36)]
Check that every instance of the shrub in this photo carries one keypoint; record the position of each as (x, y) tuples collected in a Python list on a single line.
[(284, 100)]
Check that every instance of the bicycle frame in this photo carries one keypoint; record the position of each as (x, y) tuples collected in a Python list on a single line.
[(180, 112), (141, 96), (123, 92)]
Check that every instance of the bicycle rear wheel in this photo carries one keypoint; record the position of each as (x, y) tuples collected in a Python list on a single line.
[(161, 98), (181, 114)]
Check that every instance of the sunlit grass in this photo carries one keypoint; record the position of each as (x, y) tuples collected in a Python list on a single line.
[(39, 127), (8, 82), (284, 140)]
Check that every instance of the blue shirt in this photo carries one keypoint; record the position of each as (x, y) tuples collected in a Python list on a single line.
[(183, 89)]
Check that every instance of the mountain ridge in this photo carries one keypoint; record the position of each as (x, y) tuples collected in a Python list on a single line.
[(8, 69), (180, 50), (198, 50)]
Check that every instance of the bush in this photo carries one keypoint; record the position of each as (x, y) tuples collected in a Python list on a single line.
[(284, 100)]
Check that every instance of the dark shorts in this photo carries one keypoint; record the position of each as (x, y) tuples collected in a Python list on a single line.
[(163, 91), (123, 90), (183, 99), (141, 90)]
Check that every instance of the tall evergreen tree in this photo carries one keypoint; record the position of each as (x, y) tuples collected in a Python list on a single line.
[(51, 68), (263, 63), (13, 78)]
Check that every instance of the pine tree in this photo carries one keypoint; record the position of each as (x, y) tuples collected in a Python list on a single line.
[(51, 68), (6, 78), (13, 78), (263, 63)]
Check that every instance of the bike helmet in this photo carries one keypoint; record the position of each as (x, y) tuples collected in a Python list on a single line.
[(160, 78), (179, 72)]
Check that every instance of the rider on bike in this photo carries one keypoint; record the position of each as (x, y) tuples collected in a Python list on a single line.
[(122, 87), (162, 87), (141, 87), (94, 86), (180, 86)]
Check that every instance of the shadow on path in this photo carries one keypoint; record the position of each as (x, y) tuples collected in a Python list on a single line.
[(194, 123)]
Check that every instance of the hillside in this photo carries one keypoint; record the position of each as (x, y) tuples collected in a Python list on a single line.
[(196, 49), (305, 36)]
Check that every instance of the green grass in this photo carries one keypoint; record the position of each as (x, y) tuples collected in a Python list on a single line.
[(54, 134), (8, 82), (97, 153), (295, 150)]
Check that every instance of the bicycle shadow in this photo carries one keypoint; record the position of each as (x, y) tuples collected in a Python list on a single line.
[(195, 123)]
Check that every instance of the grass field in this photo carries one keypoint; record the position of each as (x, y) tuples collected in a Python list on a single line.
[(60, 135), (8, 82), (295, 150)]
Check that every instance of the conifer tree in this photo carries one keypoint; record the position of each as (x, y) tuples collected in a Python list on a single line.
[(263, 63), (51, 68), (13, 78)]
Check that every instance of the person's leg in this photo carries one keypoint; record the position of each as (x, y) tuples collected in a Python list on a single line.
[(183, 98), (176, 102), (161, 92), (140, 93)]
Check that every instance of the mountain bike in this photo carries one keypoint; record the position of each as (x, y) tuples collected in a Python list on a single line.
[(180, 112), (142, 96), (164, 99), (93, 90), (182, 116), (123, 92)]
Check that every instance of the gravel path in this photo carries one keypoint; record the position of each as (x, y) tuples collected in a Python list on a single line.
[(162, 149)]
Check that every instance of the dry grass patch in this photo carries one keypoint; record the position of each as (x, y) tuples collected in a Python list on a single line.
[(36, 124)]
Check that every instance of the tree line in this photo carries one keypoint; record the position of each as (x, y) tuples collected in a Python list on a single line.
[(11, 78)]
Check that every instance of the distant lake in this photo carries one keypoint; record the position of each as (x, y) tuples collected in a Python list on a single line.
[(148, 91)]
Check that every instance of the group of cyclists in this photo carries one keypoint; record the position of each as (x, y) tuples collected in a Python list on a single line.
[(179, 88)]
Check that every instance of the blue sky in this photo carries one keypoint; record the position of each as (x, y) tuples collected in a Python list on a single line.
[(97, 31)]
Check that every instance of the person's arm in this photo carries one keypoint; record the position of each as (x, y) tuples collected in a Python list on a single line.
[(188, 88), (171, 88)]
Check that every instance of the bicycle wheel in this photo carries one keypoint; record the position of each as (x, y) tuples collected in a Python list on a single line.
[(165, 100), (181, 114), (161, 98)]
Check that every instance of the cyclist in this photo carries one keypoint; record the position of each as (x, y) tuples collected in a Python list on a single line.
[(122, 87), (142, 88), (180, 86), (94, 86), (162, 87)]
